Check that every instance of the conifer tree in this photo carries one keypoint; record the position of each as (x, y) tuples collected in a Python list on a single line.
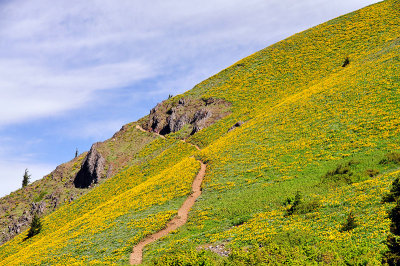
[(36, 226), (25, 180), (76, 153)]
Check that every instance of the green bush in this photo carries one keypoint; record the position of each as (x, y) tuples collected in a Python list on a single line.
[(287, 201), (394, 192), (350, 223), (307, 207), (342, 173), (392, 256), (371, 172), (296, 202), (302, 207), (346, 62), (392, 157), (240, 220), (40, 196)]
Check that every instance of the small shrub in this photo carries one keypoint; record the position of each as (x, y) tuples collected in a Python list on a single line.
[(307, 207), (240, 220), (346, 62), (392, 157), (394, 216), (341, 173), (40, 196), (392, 256), (296, 202), (287, 201), (302, 207), (350, 223), (371, 172), (394, 192)]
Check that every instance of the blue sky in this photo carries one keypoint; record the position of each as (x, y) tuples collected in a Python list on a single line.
[(73, 72)]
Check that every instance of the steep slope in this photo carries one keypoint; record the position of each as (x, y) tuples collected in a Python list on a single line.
[(311, 125)]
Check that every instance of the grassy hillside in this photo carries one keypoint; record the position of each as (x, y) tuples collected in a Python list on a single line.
[(312, 128)]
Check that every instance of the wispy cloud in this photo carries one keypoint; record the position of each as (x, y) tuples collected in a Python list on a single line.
[(55, 55)]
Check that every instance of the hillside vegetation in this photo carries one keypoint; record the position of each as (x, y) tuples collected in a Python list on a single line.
[(318, 145)]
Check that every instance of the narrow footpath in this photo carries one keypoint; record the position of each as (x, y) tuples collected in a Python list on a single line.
[(179, 220), (143, 130)]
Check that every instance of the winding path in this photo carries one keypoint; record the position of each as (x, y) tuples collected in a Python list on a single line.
[(143, 130), (179, 220)]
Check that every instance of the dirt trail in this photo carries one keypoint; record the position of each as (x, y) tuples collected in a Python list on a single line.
[(142, 129), (137, 252), (179, 220)]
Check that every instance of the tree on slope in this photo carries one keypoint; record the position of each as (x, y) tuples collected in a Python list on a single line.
[(36, 226), (25, 180)]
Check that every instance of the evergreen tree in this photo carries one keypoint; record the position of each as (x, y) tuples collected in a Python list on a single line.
[(25, 180), (36, 226), (76, 153)]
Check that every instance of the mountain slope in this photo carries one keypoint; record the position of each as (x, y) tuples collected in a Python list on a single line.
[(310, 125)]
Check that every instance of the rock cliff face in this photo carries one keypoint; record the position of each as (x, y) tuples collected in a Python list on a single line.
[(92, 169), (194, 114)]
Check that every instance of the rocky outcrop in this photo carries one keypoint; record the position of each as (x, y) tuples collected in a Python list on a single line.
[(200, 119), (38, 208), (19, 224), (92, 169), (195, 114)]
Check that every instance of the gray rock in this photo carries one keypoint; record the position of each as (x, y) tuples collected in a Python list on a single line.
[(200, 120), (91, 170), (182, 101), (37, 208), (176, 123), (168, 117)]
